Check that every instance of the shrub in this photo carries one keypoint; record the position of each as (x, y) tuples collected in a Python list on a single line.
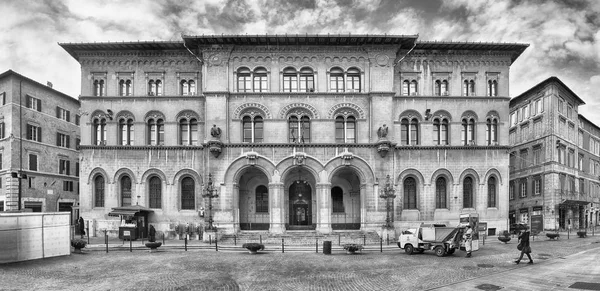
[(353, 247), (253, 247), (78, 243)]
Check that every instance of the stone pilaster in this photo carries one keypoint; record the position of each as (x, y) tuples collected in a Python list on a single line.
[(277, 207), (324, 208)]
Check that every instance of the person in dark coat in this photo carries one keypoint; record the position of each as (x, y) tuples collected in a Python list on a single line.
[(152, 234), (525, 247), (81, 226)]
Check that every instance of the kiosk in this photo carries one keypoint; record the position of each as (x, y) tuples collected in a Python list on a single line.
[(134, 221)]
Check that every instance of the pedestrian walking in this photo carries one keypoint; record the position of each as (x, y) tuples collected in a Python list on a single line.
[(524, 246), (468, 238), (81, 224)]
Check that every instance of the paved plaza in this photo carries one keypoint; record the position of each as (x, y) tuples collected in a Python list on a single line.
[(558, 265)]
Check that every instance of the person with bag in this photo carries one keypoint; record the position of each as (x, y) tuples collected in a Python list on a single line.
[(468, 238), (524, 246), (81, 224)]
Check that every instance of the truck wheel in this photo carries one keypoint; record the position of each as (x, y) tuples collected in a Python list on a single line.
[(440, 251), (409, 249)]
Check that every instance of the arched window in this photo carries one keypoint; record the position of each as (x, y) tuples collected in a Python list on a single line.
[(492, 88), (336, 80), (99, 191), (492, 192), (260, 80), (345, 129), (188, 131), (409, 88), (99, 133), (156, 131), (353, 80), (410, 193), (491, 135), (125, 87), (441, 88), (155, 192), (307, 80), (188, 193), (244, 80), (154, 87), (184, 87), (299, 129), (99, 88), (126, 131), (125, 191), (440, 193), (440, 131), (262, 199), (252, 129), (337, 199), (468, 131), (290, 80), (409, 131), (468, 88), (468, 193)]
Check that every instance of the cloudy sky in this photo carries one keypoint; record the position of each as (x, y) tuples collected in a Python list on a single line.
[(564, 35)]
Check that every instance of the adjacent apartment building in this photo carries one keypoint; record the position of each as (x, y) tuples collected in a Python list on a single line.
[(39, 134), (295, 132), (554, 159)]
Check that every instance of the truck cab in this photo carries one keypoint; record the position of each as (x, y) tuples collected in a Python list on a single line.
[(437, 237)]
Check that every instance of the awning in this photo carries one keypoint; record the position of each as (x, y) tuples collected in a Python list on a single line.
[(128, 210), (574, 202)]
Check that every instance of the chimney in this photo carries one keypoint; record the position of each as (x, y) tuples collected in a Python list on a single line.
[(49, 84)]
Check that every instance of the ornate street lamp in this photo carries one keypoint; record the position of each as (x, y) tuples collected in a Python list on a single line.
[(387, 193), (210, 192)]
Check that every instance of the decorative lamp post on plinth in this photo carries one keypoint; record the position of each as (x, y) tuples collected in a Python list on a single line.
[(210, 192), (387, 193)]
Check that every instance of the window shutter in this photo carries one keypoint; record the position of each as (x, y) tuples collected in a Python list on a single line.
[(58, 139), (68, 115), (39, 105), (68, 141), (28, 102), (57, 112), (28, 132), (39, 137), (68, 167)]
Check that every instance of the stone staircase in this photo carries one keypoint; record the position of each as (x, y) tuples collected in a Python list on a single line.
[(292, 237)]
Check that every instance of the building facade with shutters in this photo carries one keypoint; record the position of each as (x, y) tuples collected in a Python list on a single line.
[(554, 160), (296, 132), (39, 133)]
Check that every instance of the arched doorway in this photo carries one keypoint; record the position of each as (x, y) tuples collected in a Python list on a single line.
[(300, 203), (345, 200), (254, 197)]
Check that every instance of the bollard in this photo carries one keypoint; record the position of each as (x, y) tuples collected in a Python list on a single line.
[(339, 239), (282, 247), (209, 240), (388, 239), (317, 245), (235, 240), (381, 245), (163, 238), (106, 240), (216, 245), (260, 238), (364, 240), (185, 242), (88, 234), (130, 244), (568, 232), (484, 240)]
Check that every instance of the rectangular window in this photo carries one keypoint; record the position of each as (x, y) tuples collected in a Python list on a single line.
[(524, 159), (33, 162), (262, 202), (34, 133), (2, 131), (580, 163), (63, 114), (1, 205), (63, 140), (64, 167), (68, 186), (523, 188), (77, 169), (34, 103), (511, 191), (537, 185), (3, 98), (571, 158), (581, 186), (537, 155), (77, 119)]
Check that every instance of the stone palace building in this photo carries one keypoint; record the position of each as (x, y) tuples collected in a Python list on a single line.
[(295, 132)]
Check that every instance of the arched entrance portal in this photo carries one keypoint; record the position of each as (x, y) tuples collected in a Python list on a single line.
[(254, 200), (301, 205), (345, 200)]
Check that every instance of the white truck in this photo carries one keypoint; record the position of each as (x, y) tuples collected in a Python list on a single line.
[(437, 237)]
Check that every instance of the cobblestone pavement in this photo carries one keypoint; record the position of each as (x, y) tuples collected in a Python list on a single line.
[(172, 268)]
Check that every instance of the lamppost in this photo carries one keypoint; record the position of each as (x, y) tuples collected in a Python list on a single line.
[(387, 193), (210, 192)]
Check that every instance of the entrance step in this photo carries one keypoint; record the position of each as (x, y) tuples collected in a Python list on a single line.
[(302, 237)]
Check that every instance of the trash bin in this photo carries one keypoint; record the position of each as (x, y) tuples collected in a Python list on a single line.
[(327, 247)]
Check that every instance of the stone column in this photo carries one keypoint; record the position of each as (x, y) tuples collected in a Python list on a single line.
[(235, 201), (323, 207), (276, 208), (363, 205)]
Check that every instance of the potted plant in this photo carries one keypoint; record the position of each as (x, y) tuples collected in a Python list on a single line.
[(352, 248), (504, 236), (582, 233), (78, 244), (152, 244), (553, 235), (253, 248)]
